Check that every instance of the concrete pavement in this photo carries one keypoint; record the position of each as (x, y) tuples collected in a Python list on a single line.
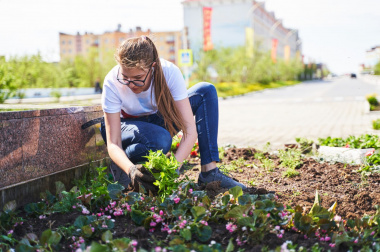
[(309, 110)]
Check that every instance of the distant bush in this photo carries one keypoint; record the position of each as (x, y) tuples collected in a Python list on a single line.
[(372, 100), (376, 124)]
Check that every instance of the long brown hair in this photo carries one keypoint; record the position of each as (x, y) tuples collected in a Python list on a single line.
[(140, 52)]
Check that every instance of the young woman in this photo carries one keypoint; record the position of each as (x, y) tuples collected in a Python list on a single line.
[(145, 103)]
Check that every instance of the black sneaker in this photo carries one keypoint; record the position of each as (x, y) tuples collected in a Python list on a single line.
[(119, 175), (217, 175)]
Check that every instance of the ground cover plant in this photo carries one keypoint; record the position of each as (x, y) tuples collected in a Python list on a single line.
[(356, 142), (325, 207)]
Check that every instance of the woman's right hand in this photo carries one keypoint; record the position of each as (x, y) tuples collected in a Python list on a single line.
[(141, 176)]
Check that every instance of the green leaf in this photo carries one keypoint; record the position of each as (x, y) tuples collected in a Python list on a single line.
[(121, 243), (110, 224), (269, 205), (186, 234), (55, 238), (236, 192), (305, 223), (206, 201), (259, 204), (59, 187), (10, 206), (115, 191), (45, 236), (237, 212), (107, 236), (96, 247), (80, 221), (24, 248), (245, 199), (198, 212), (138, 217), (226, 199), (320, 212), (87, 231), (203, 233), (245, 221), (230, 247)]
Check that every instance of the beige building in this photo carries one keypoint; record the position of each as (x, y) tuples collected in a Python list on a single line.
[(167, 43)]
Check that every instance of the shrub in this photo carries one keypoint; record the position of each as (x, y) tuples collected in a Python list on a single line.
[(372, 100), (376, 124)]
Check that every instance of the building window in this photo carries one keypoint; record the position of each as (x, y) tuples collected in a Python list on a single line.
[(63, 51), (63, 42), (105, 41), (121, 40), (88, 41), (69, 42)]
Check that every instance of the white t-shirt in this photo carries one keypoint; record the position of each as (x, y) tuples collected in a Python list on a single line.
[(117, 97)]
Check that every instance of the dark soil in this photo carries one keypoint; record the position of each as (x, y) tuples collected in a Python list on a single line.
[(355, 196), (334, 182)]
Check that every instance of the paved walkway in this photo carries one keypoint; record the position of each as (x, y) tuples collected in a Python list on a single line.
[(279, 116)]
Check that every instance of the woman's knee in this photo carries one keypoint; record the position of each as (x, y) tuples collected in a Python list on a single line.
[(163, 141), (205, 89)]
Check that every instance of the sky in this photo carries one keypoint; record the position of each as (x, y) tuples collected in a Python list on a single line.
[(334, 32)]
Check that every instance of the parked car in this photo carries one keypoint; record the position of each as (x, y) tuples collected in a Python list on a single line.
[(353, 76)]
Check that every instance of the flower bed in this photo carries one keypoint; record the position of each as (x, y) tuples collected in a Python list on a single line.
[(280, 210)]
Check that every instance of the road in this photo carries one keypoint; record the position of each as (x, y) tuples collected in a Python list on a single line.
[(313, 109)]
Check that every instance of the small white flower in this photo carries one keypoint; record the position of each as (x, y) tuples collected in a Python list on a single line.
[(251, 229), (188, 227), (244, 228), (212, 242)]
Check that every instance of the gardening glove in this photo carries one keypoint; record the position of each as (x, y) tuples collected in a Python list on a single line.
[(141, 176)]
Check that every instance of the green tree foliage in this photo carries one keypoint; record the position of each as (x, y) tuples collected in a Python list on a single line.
[(33, 72), (233, 65), (377, 68), (7, 86)]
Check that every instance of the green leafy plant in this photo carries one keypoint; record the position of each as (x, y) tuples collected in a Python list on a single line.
[(291, 159), (306, 145), (372, 100), (376, 124), (357, 142), (164, 170)]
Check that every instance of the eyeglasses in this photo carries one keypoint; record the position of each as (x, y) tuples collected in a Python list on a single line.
[(138, 83)]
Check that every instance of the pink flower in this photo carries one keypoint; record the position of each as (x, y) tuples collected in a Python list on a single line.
[(157, 249), (151, 230), (373, 233), (279, 236), (322, 239), (74, 207), (305, 237), (277, 227), (347, 145), (142, 198), (356, 241), (327, 238), (268, 215), (134, 243), (332, 245), (152, 209), (93, 229), (153, 224), (370, 152), (337, 218), (176, 200), (190, 190), (161, 212)]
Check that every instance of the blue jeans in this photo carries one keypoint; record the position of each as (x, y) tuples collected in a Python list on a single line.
[(139, 135)]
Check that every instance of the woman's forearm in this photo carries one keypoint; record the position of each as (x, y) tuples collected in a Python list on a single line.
[(185, 146), (118, 156)]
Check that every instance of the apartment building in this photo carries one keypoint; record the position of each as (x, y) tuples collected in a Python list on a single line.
[(167, 42), (229, 22)]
